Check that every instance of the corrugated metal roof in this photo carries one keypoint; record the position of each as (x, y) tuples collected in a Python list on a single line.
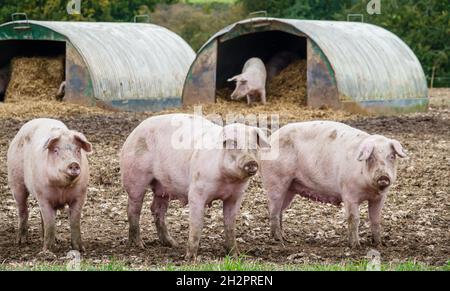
[(369, 62), (129, 60)]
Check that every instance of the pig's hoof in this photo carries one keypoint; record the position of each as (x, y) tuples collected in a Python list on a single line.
[(190, 257), (233, 252), (22, 240), (355, 244), (278, 236), (136, 243), (169, 242), (80, 248), (46, 255), (376, 242)]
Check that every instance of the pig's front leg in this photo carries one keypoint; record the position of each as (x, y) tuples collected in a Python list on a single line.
[(263, 97), (48, 218), (375, 207), (276, 200), (248, 100), (230, 210), (75, 230), (352, 217), (196, 212)]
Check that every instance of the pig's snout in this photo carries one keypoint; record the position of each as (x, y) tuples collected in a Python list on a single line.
[(383, 182), (251, 168), (74, 170)]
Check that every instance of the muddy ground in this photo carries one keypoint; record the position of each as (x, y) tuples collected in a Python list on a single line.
[(416, 216)]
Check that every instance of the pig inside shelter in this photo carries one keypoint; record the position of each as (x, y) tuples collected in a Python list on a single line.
[(31, 70), (283, 54)]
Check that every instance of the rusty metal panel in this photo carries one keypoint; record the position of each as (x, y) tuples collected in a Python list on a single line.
[(200, 85), (322, 89), (78, 81)]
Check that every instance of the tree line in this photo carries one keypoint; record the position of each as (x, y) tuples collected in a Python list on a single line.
[(423, 24)]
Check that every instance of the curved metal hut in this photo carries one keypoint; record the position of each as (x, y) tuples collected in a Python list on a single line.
[(352, 66), (129, 66)]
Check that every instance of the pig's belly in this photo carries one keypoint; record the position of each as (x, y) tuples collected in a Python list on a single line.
[(173, 190), (321, 196)]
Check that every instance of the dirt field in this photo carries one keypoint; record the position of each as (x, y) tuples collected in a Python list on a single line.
[(416, 216)]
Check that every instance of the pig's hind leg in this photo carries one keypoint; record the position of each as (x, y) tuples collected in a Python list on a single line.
[(21, 194), (135, 184), (263, 97), (159, 209)]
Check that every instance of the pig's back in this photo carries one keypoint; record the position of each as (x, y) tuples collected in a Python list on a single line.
[(158, 131), (34, 133), (254, 63), (324, 150), (324, 132), (153, 146)]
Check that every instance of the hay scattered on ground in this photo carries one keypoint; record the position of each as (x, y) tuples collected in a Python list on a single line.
[(35, 78), (53, 109), (286, 96), (289, 86)]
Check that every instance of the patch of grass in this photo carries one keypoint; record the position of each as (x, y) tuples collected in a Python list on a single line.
[(209, 1), (228, 264), (84, 266)]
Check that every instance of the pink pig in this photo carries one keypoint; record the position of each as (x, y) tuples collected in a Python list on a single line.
[(49, 161), (188, 158), (252, 82), (332, 163)]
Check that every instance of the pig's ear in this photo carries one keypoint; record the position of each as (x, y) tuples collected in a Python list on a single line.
[(398, 148), (235, 78), (365, 150), (82, 140), (229, 138), (229, 144), (52, 141), (263, 141)]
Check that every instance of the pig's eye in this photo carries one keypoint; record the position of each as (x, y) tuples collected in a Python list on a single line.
[(392, 157), (56, 150)]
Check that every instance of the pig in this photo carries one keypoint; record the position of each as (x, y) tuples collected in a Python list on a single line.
[(48, 161), (204, 169), (4, 80), (61, 90), (251, 83), (279, 62), (332, 163)]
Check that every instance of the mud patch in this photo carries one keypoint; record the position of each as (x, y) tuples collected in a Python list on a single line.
[(416, 217)]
